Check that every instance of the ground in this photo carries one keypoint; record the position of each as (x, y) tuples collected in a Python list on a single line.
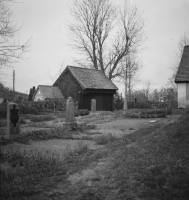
[(92, 158)]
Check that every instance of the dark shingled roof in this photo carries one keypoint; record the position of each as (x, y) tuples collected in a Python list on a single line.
[(49, 92), (182, 75), (91, 78)]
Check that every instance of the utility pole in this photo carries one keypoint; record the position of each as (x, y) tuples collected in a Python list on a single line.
[(13, 85)]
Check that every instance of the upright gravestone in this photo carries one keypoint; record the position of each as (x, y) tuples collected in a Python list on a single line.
[(13, 122), (70, 114), (135, 102), (93, 105), (169, 109)]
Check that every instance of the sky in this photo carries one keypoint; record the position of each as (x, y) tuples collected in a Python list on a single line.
[(46, 23)]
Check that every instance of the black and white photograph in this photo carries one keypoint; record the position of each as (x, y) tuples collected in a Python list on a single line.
[(94, 99)]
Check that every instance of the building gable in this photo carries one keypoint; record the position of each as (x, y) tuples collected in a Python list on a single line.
[(47, 92), (182, 75)]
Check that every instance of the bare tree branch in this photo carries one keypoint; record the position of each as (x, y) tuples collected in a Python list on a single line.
[(10, 50), (104, 34)]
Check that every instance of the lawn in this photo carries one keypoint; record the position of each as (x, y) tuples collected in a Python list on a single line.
[(151, 163)]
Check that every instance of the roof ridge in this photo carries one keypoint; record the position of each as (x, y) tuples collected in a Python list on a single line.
[(84, 68), (47, 85)]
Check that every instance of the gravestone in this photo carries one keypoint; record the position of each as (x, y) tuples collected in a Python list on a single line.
[(70, 114), (13, 121), (93, 105), (169, 109), (135, 102)]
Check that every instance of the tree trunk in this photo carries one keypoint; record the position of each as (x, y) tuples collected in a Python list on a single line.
[(125, 98)]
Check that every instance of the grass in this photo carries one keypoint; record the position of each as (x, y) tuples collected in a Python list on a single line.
[(146, 113), (149, 164), (105, 139), (23, 172), (38, 118), (152, 163), (79, 150), (38, 135)]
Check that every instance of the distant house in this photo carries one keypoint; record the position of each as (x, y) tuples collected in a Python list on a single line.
[(84, 84), (45, 92), (182, 79)]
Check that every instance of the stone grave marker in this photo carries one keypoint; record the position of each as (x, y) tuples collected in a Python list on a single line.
[(135, 102), (13, 121), (70, 114), (93, 105)]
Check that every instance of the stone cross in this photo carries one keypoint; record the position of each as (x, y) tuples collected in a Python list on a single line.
[(93, 105), (13, 120)]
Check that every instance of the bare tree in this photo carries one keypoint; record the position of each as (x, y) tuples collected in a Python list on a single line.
[(184, 40), (105, 34), (147, 87), (130, 67), (10, 50)]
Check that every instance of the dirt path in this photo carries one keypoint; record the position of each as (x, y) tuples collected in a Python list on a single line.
[(95, 171), (118, 127), (83, 174)]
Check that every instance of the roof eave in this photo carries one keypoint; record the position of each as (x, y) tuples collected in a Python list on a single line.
[(182, 81)]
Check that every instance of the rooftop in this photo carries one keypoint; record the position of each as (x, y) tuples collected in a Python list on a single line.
[(91, 78), (182, 75), (49, 91)]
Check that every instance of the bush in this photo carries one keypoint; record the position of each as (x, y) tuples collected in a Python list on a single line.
[(143, 104), (27, 109), (118, 104), (105, 139), (82, 112), (80, 149), (130, 104), (3, 110), (41, 118), (153, 113)]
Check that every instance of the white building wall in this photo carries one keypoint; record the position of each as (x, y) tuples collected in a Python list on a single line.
[(187, 94), (181, 95), (38, 96)]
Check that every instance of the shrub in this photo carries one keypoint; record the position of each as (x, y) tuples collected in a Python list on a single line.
[(3, 122), (143, 104), (3, 110), (153, 113), (80, 149), (130, 104), (41, 118), (82, 112), (105, 139), (27, 109), (118, 104)]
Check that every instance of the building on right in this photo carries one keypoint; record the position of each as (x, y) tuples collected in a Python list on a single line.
[(182, 79)]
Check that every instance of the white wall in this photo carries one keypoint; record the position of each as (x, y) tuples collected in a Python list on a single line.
[(38, 96), (181, 95), (187, 94)]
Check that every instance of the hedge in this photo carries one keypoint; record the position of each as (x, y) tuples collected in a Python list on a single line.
[(3, 110)]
